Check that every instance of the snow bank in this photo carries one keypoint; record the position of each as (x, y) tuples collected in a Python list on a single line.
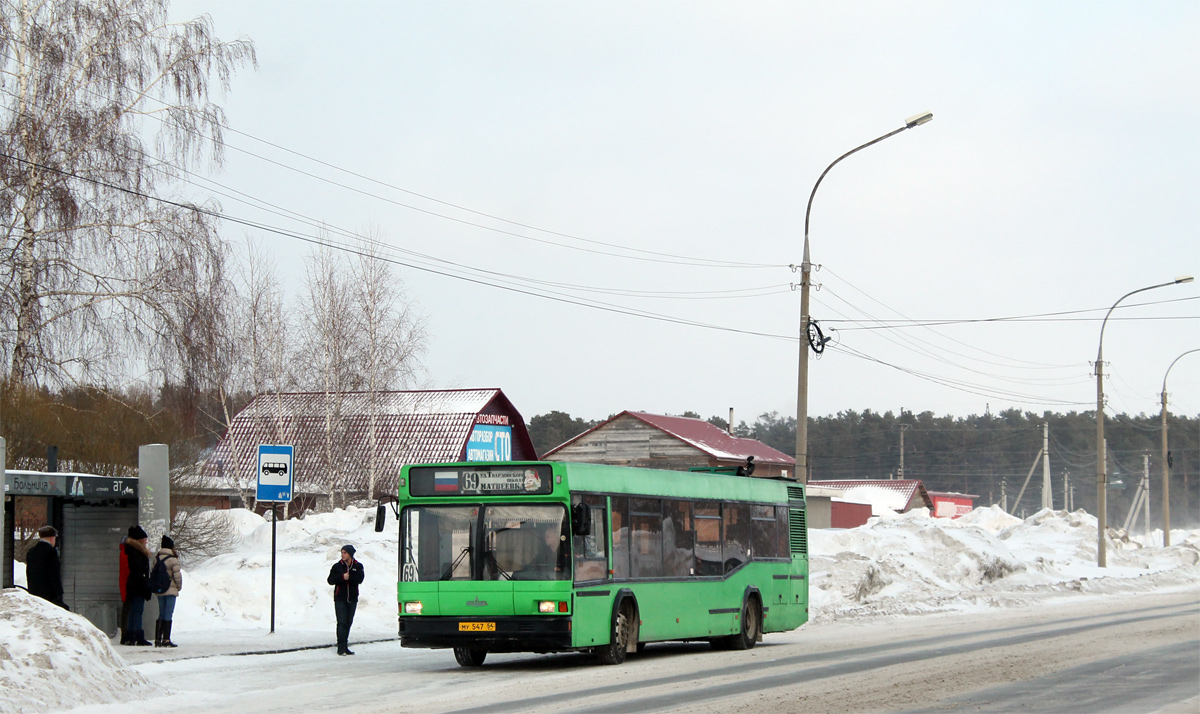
[(896, 564), (53, 659), (233, 591), (911, 563)]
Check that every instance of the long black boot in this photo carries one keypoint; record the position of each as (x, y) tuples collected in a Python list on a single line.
[(166, 634), (158, 628)]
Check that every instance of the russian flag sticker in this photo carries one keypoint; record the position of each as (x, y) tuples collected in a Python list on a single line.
[(445, 481)]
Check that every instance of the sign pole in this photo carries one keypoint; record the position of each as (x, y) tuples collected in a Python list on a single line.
[(274, 518), (275, 484)]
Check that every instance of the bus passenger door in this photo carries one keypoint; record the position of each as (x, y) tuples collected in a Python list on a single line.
[(592, 608)]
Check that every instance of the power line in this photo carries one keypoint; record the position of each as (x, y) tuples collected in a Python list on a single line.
[(348, 249)]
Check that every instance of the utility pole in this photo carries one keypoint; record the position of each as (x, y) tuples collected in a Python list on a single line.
[(1066, 490), (1047, 494), (1166, 481), (900, 473), (1146, 493)]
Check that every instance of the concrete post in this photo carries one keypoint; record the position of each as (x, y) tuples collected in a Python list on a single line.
[(154, 504)]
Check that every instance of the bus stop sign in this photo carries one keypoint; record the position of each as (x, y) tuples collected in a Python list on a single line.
[(274, 473)]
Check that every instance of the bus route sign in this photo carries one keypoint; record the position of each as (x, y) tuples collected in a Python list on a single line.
[(275, 473)]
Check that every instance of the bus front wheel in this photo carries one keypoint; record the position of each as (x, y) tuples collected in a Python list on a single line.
[(468, 657), (622, 633)]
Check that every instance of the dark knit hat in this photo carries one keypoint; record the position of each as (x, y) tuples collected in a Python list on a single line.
[(349, 549), (136, 533), (47, 532), (167, 543)]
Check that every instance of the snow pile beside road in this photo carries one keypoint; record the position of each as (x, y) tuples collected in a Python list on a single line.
[(53, 659), (911, 563), (233, 591)]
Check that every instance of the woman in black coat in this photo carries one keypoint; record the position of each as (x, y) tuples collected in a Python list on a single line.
[(137, 583)]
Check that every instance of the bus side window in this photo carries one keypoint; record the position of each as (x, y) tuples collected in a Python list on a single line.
[(620, 537), (591, 551), (708, 539)]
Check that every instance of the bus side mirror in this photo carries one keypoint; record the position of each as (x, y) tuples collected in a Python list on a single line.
[(380, 517), (581, 520)]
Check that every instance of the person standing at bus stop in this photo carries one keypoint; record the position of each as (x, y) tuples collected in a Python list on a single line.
[(345, 576), (43, 569), (137, 584)]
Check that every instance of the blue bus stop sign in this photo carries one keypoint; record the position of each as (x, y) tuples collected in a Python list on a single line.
[(274, 473)]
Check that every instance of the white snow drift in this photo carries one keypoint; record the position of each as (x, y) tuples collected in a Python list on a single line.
[(894, 565)]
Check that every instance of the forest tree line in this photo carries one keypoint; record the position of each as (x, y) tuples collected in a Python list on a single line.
[(988, 455)]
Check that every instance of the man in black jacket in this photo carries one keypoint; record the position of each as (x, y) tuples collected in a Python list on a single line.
[(42, 569), (345, 576)]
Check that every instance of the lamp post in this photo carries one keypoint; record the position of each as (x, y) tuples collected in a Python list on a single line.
[(805, 282), (1166, 487), (1101, 472)]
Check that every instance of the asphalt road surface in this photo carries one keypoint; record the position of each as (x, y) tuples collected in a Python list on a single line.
[(1116, 653)]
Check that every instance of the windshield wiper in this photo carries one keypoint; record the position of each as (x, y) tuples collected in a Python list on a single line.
[(491, 558), (454, 566)]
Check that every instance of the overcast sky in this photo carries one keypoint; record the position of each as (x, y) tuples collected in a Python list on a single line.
[(657, 157)]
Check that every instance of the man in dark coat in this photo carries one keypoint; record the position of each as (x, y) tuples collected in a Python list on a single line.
[(42, 569), (345, 576)]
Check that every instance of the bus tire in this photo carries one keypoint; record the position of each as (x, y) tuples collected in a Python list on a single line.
[(751, 626), (622, 631), (468, 657), (750, 632)]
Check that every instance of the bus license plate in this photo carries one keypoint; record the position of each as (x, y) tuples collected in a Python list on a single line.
[(476, 627)]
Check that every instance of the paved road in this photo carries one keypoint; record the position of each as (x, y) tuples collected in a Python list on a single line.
[(1118, 653)]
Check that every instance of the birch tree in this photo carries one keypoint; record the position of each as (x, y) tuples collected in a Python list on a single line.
[(328, 362), (92, 264), (258, 348), (390, 337)]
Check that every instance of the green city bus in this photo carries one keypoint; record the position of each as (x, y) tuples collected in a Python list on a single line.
[(568, 557)]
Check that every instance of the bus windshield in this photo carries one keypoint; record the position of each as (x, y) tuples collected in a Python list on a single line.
[(488, 542)]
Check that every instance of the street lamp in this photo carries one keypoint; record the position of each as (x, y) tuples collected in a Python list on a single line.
[(1166, 487), (1101, 473), (805, 282)]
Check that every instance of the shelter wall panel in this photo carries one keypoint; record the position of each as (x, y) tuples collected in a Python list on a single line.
[(91, 561), (10, 524)]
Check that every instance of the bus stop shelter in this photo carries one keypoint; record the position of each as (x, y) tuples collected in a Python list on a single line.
[(92, 514)]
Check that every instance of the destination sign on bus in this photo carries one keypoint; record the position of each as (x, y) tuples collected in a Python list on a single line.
[(480, 481)]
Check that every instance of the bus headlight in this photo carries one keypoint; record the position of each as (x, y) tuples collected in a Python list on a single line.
[(547, 606), (412, 608)]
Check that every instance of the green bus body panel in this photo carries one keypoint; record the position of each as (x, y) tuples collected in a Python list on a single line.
[(668, 609)]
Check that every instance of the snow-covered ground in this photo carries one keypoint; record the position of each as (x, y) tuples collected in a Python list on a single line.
[(894, 565)]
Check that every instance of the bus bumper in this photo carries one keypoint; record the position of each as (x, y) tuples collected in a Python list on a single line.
[(512, 634)]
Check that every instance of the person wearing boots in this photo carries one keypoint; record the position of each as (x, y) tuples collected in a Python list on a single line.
[(137, 584), (345, 576), (122, 578), (166, 601), (43, 569)]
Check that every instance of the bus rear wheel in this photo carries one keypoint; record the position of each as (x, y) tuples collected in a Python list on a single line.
[(614, 651), (468, 657), (750, 632)]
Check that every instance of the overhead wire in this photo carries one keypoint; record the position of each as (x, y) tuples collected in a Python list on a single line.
[(1031, 365), (349, 249)]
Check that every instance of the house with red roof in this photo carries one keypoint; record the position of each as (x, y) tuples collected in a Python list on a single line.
[(669, 442), (352, 445)]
